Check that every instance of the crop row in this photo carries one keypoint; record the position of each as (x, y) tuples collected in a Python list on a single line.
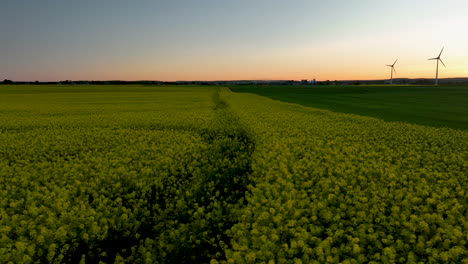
[(132, 186), (338, 188)]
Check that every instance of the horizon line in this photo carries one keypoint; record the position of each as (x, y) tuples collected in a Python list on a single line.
[(235, 80)]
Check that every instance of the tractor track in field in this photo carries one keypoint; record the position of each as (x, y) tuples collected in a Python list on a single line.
[(200, 237)]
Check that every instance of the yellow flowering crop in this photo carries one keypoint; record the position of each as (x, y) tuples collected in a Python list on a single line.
[(185, 174)]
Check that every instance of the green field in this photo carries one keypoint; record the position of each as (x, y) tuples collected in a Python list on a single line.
[(199, 174), (442, 106)]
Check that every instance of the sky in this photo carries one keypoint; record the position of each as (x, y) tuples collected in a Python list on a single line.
[(169, 40)]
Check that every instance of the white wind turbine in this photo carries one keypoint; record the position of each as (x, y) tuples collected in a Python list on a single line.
[(392, 70), (437, 69)]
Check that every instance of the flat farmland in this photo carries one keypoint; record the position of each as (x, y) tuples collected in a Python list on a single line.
[(442, 106), (201, 174)]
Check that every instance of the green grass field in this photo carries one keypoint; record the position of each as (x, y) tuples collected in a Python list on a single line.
[(200, 174), (443, 106)]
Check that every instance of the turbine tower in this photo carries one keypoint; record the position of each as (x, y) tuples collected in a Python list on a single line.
[(392, 70), (437, 68)]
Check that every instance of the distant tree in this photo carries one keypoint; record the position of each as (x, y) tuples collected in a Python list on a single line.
[(6, 81)]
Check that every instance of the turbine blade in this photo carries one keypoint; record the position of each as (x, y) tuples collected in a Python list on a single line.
[(443, 63), (433, 59), (388, 65), (440, 52), (394, 70), (394, 62)]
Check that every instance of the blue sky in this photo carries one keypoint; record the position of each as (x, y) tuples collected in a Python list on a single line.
[(211, 40)]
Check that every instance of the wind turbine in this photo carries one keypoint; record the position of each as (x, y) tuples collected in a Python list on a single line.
[(437, 69), (392, 70)]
